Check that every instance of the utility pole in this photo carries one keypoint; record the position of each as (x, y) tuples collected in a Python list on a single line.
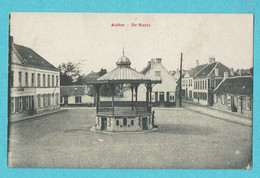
[(180, 92)]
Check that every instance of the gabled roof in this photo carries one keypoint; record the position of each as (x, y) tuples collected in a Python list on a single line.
[(30, 58), (92, 76), (195, 70), (147, 68), (75, 90), (209, 70), (241, 85), (206, 70)]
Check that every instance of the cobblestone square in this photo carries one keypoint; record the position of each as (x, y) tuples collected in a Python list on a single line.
[(185, 139)]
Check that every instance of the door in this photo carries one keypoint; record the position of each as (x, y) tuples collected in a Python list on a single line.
[(232, 104), (103, 123), (65, 100), (161, 97), (144, 123)]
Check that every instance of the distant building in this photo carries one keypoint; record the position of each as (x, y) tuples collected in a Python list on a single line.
[(162, 94), (77, 95), (34, 83), (92, 76), (207, 79), (235, 94), (245, 72)]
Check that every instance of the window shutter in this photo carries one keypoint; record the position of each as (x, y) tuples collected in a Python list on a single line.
[(24, 103)]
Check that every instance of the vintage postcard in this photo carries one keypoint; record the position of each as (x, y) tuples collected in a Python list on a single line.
[(117, 90)]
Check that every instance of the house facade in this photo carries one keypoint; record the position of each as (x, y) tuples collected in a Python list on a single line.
[(235, 94), (76, 95), (207, 79), (188, 81), (33, 82), (163, 94)]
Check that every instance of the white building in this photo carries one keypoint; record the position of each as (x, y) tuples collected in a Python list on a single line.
[(187, 80), (33, 82), (76, 95), (162, 94)]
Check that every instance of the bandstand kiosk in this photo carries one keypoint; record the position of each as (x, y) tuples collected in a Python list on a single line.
[(132, 115)]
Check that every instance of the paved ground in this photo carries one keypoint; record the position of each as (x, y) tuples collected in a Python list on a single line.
[(185, 139)]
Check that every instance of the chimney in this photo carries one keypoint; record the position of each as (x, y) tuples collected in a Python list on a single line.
[(225, 75), (231, 71), (158, 60), (197, 62), (216, 71), (211, 59), (152, 62), (177, 71)]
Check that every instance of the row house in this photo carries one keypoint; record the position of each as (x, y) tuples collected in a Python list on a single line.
[(207, 79), (34, 85), (235, 94)]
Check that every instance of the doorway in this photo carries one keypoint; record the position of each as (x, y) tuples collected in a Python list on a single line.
[(65, 100), (161, 97), (144, 123), (103, 123)]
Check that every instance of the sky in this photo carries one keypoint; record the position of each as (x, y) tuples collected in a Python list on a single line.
[(91, 40)]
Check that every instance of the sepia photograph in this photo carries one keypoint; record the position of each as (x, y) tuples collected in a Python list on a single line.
[(130, 90)]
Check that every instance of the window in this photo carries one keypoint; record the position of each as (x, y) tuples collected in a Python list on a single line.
[(44, 80), (32, 79), (57, 98), (48, 80), (12, 79), (52, 96), (117, 122), (20, 104), (32, 103), (43, 100), (77, 99), (195, 95), (26, 79), (12, 105), (27, 102), (124, 121), (52, 78), (156, 96), (158, 73), (39, 80), (57, 81), (61, 99), (20, 79), (49, 99), (46, 100), (212, 84), (39, 100), (132, 122), (206, 84)]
